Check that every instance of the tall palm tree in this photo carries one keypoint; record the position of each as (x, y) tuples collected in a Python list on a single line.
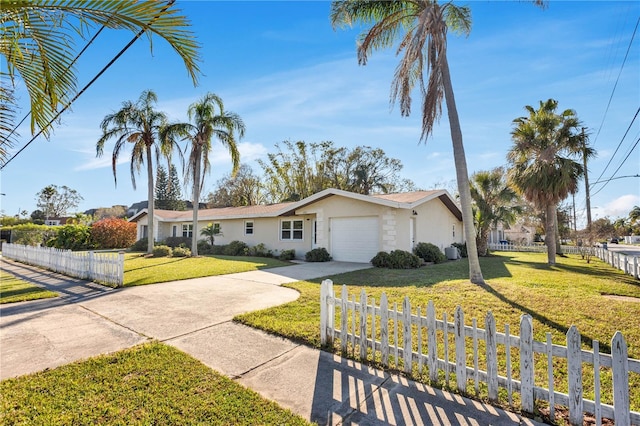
[(494, 202), (543, 161), (137, 123), (421, 28), (38, 46), (209, 120)]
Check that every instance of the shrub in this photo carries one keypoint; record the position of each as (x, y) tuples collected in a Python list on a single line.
[(259, 250), (72, 237), (140, 245), (32, 235), (110, 233), (181, 252), (174, 242), (381, 260), (219, 249), (204, 247), (162, 251), (319, 254), (462, 247), (429, 253), (236, 248), (287, 254)]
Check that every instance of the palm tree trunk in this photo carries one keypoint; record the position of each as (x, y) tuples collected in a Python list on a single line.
[(196, 198), (475, 273), (557, 234), (550, 233), (482, 242), (150, 206)]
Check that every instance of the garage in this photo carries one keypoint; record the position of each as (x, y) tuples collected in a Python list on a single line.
[(354, 239)]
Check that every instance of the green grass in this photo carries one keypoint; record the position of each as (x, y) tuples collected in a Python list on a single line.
[(141, 270), (13, 289), (148, 384), (570, 292)]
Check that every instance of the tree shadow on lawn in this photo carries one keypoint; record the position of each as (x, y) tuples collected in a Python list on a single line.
[(177, 259)]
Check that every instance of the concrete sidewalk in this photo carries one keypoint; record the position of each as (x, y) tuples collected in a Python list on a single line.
[(196, 317)]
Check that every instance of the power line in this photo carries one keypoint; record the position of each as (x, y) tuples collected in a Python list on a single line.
[(68, 68), (102, 71), (621, 164), (617, 79), (617, 177)]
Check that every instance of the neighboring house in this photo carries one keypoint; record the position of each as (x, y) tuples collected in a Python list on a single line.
[(352, 227), (518, 233), (56, 221)]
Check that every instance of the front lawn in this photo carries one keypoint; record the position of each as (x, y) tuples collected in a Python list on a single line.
[(572, 292), (14, 289), (148, 384), (140, 270)]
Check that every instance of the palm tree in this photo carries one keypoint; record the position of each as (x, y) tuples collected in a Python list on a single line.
[(421, 27), (494, 203), (210, 120), (38, 46), (138, 124), (542, 159), (211, 231)]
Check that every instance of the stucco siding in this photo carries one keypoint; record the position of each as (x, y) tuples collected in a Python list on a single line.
[(437, 225)]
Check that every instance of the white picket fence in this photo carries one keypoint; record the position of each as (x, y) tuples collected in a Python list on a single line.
[(628, 264), (362, 323), (107, 268)]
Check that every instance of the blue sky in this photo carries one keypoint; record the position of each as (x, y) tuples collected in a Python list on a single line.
[(290, 76)]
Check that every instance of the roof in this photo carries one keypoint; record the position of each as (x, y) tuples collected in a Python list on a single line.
[(405, 200)]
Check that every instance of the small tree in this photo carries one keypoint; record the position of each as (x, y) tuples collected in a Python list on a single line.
[(210, 231), (56, 201), (112, 233)]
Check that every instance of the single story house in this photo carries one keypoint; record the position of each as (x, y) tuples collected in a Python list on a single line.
[(352, 227)]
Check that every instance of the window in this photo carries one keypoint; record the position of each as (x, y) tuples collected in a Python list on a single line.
[(216, 227), (145, 230), (291, 230), (174, 232), (248, 228), (187, 230)]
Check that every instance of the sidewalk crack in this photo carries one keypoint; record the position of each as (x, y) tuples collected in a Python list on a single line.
[(114, 322)]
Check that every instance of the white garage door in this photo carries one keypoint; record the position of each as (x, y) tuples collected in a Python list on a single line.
[(354, 239)]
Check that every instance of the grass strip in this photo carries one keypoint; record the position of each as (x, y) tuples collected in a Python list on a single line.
[(148, 384), (14, 289), (141, 270)]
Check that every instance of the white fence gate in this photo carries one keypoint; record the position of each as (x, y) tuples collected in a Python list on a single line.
[(361, 324), (107, 268)]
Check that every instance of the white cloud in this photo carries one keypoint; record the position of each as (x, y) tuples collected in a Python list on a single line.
[(619, 207)]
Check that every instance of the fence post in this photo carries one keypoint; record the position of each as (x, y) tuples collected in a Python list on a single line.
[(574, 361), (461, 357), (120, 269), (384, 329), (635, 267), (432, 350), (406, 322), (323, 311), (363, 324), (344, 318), (526, 363), (620, 367), (492, 356)]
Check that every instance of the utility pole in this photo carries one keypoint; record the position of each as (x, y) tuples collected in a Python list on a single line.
[(586, 179)]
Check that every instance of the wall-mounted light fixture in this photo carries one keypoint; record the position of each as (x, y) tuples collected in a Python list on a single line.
[(415, 213)]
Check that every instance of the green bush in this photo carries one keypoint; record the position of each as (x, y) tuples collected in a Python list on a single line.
[(287, 254), (32, 235), (381, 260), (429, 253), (259, 250), (162, 251), (204, 247), (72, 237), (181, 252), (400, 259), (317, 255), (462, 247), (236, 248), (174, 242), (140, 245), (219, 249)]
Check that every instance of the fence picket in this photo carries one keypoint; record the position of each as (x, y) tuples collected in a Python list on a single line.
[(384, 330), (552, 394), (419, 335), (507, 348), (620, 380), (344, 318), (475, 356), (363, 324), (406, 334), (596, 382), (574, 361), (492, 356), (323, 312), (526, 363), (445, 328), (395, 335), (432, 348), (461, 356)]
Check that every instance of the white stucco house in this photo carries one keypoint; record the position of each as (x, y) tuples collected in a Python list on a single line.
[(352, 227)]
